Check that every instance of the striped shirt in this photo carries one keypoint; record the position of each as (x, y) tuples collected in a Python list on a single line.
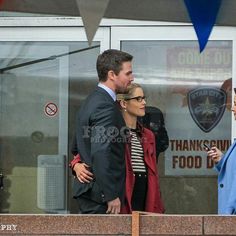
[(137, 156)]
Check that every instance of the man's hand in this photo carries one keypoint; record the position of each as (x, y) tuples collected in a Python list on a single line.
[(114, 206), (82, 173), (215, 154)]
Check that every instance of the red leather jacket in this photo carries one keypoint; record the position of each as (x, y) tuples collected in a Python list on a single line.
[(153, 198)]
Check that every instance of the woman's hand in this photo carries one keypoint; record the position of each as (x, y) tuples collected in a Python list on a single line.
[(82, 172), (215, 154)]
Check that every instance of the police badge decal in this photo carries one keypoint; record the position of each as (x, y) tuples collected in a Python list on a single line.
[(207, 106)]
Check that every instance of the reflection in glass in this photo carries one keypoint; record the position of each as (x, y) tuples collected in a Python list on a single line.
[(34, 97)]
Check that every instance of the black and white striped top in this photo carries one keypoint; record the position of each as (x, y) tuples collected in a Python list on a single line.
[(137, 161)]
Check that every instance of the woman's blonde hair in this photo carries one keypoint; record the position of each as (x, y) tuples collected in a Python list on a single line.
[(129, 92)]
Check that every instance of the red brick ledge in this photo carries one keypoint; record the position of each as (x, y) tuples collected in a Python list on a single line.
[(145, 224)]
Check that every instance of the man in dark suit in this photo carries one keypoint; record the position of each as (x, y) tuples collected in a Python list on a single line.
[(100, 139)]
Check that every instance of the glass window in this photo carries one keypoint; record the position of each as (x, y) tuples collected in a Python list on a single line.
[(193, 91), (35, 102)]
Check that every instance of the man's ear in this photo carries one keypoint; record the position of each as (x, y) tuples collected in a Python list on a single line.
[(111, 75)]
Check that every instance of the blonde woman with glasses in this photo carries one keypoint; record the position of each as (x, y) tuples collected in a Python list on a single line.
[(142, 191)]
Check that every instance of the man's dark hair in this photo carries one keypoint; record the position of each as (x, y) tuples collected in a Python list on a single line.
[(111, 59)]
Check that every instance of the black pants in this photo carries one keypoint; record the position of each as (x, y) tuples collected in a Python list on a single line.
[(92, 201), (138, 200), (88, 206)]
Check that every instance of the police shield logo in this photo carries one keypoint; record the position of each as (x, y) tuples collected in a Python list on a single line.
[(207, 106)]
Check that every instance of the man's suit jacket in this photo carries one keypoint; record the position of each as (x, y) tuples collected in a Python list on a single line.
[(100, 141), (227, 182)]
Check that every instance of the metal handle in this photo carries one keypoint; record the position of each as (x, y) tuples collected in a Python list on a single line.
[(1, 180)]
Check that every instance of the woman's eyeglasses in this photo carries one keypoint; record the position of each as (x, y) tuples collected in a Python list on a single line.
[(138, 98)]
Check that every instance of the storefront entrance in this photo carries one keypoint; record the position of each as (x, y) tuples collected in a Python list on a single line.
[(46, 73)]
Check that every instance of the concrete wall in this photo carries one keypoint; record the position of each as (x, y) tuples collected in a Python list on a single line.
[(117, 225)]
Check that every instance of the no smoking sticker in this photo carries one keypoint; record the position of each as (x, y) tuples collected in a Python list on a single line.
[(50, 109)]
